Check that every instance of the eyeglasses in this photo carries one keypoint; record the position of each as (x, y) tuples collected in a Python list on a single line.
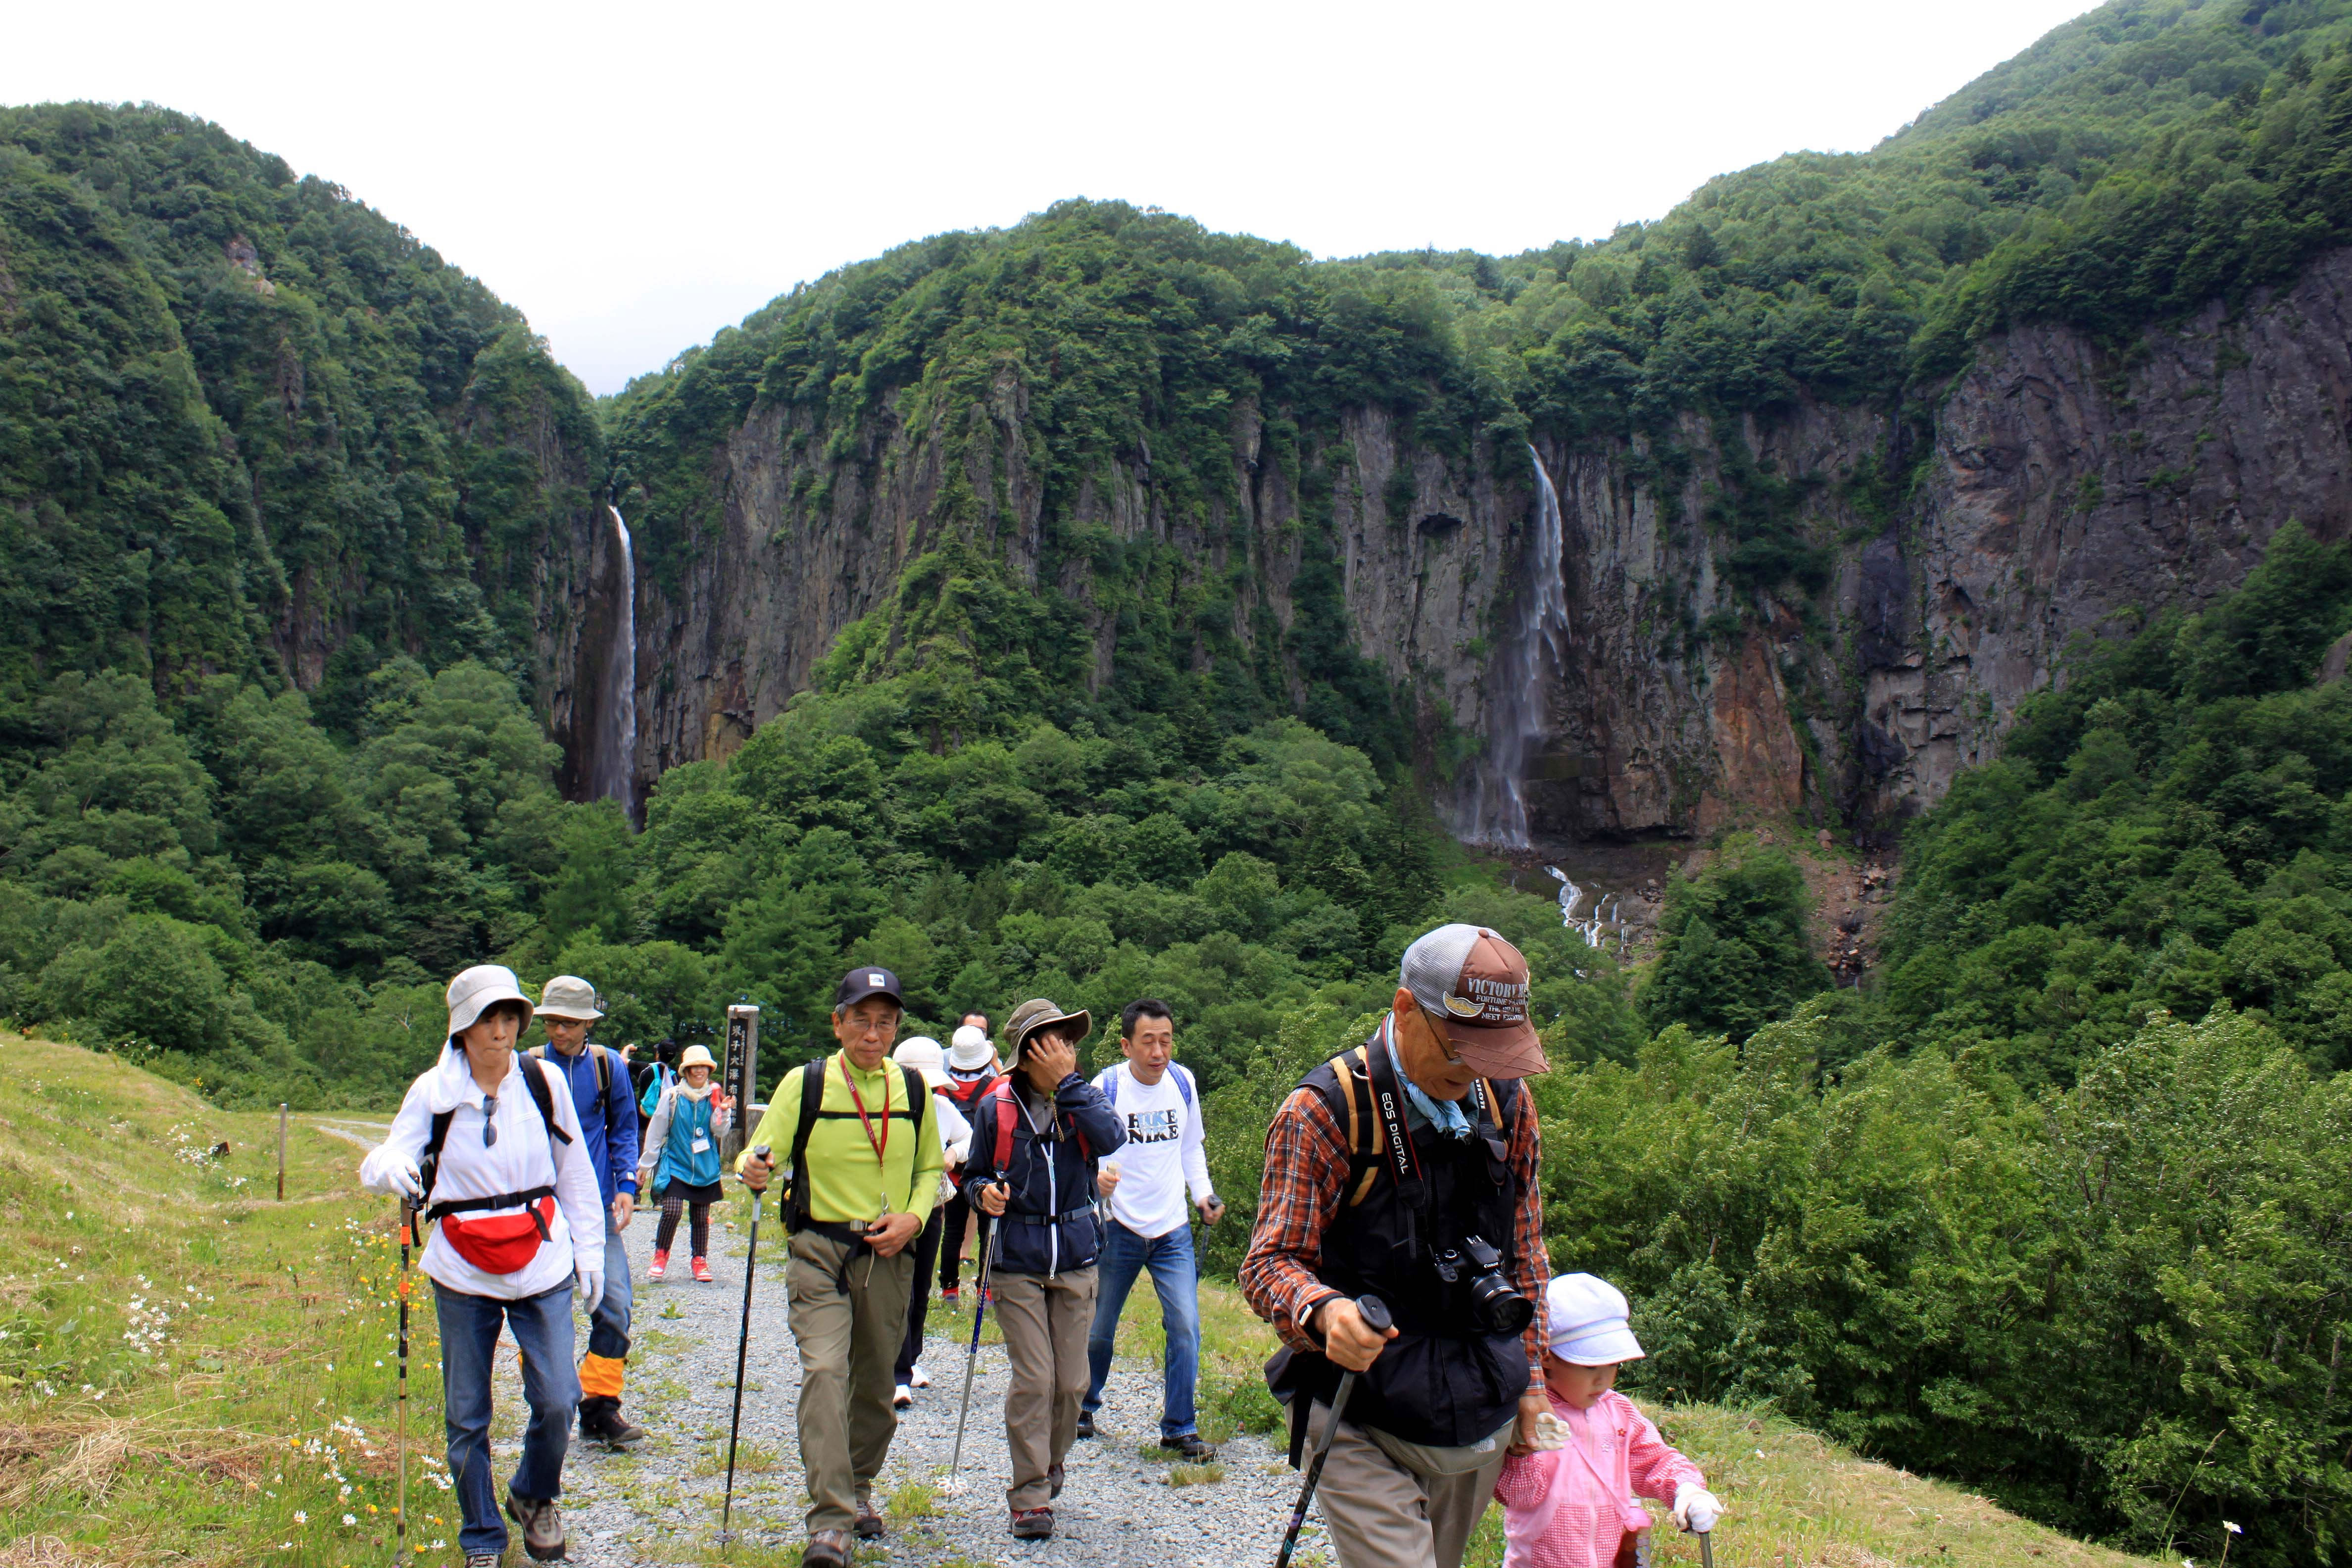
[(489, 1120)]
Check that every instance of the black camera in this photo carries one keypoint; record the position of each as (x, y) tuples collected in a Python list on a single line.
[(1495, 1307)]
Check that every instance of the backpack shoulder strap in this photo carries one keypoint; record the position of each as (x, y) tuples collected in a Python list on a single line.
[(428, 1165), (1111, 1076), (1352, 1076), (1001, 1092), (795, 1205), (1183, 1084), (544, 1095), (603, 1072)]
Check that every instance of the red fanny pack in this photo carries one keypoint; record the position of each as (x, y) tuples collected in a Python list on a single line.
[(505, 1244)]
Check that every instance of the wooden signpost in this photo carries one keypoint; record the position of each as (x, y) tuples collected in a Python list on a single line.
[(740, 1075)]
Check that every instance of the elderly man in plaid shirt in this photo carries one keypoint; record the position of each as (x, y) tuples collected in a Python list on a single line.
[(1405, 1169)]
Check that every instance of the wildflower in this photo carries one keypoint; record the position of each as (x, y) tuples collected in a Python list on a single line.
[(351, 1518), (301, 1517), (2225, 1523)]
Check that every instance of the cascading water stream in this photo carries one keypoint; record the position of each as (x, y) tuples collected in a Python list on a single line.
[(616, 727), (1497, 811)]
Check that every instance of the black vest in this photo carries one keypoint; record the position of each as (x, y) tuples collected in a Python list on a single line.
[(1439, 1382)]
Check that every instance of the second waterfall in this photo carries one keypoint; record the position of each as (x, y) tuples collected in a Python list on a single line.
[(1494, 809), (614, 774)]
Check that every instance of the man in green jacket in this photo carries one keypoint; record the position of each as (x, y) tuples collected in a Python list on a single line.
[(868, 1173)]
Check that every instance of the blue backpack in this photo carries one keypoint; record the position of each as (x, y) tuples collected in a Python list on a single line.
[(1183, 1085)]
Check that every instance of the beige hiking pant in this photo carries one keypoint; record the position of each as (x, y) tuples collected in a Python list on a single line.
[(1383, 1515), (1045, 1317), (848, 1345)]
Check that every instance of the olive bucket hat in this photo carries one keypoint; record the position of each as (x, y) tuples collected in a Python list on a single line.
[(1038, 1014)]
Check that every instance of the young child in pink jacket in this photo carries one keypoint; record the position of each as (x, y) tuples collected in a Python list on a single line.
[(1571, 1505)]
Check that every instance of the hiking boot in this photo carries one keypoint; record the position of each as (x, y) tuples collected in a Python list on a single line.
[(702, 1270), (917, 1377), (601, 1421), (869, 1523), (482, 1559), (1190, 1447), (951, 1296), (661, 1264), (1054, 1479), (1031, 1524), (1085, 1422), (826, 1549), (902, 1397), (542, 1526)]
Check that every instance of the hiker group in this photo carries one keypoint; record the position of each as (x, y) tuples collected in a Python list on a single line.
[(1430, 1363)]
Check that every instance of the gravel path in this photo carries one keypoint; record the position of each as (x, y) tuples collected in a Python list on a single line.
[(661, 1503)]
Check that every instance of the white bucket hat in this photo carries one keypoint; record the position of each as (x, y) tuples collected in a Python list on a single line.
[(476, 989), (569, 997), (923, 1054), (697, 1057), (1585, 1322), (970, 1051)]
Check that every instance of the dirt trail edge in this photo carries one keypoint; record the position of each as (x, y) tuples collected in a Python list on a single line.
[(661, 1504)]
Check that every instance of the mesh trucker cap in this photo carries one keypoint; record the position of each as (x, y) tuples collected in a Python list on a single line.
[(1473, 987)]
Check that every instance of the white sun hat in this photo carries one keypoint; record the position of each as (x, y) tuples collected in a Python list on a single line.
[(475, 990), (923, 1054), (970, 1049), (1585, 1322)]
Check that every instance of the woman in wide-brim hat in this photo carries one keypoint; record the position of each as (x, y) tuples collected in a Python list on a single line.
[(520, 1227), (682, 1159)]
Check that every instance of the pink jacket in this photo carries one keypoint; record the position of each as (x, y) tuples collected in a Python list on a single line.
[(1571, 1508)]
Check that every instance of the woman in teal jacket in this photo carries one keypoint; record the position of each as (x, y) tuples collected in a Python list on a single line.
[(682, 1158)]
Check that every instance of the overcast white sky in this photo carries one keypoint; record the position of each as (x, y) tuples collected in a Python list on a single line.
[(634, 177)]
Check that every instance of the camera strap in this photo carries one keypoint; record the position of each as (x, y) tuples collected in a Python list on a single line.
[(1397, 1151)]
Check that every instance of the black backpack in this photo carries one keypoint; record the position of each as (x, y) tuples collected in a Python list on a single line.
[(428, 1167)]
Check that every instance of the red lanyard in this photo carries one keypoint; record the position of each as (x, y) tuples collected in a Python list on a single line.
[(882, 1147)]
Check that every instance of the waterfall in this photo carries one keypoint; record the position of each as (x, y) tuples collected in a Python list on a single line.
[(614, 772), (1495, 811)]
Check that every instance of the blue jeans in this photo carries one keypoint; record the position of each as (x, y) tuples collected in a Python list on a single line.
[(1177, 1278), (469, 1336), (608, 1320)]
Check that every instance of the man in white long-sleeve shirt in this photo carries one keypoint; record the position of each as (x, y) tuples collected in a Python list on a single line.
[(1144, 1185), (520, 1227)]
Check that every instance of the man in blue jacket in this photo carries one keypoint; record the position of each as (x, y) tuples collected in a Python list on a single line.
[(1036, 1139), (601, 1092)]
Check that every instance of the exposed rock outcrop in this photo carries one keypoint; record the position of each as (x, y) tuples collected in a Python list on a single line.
[(2052, 490)]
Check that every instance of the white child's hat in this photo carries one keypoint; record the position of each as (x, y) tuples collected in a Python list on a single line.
[(1585, 1322)]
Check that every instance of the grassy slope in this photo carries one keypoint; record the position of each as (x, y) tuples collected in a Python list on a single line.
[(264, 1398), (262, 1383)]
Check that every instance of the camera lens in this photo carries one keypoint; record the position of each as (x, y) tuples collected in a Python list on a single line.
[(1500, 1310)]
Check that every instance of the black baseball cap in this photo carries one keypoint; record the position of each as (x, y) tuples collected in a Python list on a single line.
[(859, 984)]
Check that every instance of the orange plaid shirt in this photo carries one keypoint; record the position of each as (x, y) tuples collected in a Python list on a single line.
[(1307, 1181)]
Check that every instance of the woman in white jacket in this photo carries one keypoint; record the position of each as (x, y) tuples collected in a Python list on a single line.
[(496, 1159)]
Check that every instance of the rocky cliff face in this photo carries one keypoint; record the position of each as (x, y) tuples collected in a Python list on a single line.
[(2052, 491)]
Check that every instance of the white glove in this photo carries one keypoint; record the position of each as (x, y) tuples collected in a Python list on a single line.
[(1696, 1509), (1551, 1435), (387, 1171), (588, 1285)]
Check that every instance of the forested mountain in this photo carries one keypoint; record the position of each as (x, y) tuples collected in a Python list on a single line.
[(1102, 606)]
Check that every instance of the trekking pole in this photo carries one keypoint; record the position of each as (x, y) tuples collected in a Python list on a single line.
[(1706, 1549), (400, 1510), (743, 1352), (1375, 1313), (952, 1486)]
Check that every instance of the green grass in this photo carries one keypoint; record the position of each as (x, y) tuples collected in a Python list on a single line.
[(249, 1392), (192, 1371)]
